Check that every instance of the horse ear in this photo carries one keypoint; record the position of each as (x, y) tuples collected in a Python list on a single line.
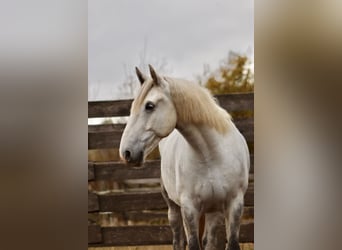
[(156, 78), (140, 75)]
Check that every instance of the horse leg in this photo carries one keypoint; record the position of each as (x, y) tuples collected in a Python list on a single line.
[(176, 223), (191, 216), (212, 239), (233, 217)]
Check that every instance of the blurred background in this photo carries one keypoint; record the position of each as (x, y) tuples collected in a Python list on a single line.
[(44, 93)]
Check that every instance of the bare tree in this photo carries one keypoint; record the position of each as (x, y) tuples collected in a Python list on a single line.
[(131, 84)]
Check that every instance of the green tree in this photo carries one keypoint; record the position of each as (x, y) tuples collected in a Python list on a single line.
[(233, 75)]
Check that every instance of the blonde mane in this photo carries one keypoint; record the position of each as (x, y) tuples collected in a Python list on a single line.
[(139, 99), (193, 104)]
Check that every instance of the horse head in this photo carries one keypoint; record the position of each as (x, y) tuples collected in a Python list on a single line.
[(152, 117)]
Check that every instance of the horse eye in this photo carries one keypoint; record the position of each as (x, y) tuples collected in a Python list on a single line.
[(149, 106)]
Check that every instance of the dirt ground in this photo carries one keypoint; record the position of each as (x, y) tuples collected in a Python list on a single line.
[(248, 246)]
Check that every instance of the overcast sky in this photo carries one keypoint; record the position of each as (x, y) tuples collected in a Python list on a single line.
[(184, 34)]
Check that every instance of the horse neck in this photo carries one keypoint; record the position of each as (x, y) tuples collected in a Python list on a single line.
[(205, 141)]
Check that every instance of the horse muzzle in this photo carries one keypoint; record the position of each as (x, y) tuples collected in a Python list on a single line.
[(132, 158)]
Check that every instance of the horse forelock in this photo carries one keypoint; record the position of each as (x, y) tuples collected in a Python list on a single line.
[(139, 99)]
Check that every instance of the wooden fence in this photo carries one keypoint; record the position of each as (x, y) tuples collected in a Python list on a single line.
[(147, 203)]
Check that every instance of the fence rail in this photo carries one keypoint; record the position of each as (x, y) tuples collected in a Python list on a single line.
[(141, 204), (117, 171), (109, 135), (231, 102), (133, 201), (148, 235)]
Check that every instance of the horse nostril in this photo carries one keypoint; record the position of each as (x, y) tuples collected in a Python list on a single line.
[(127, 155)]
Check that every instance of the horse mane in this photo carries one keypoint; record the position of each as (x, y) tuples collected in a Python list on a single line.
[(139, 99), (194, 104)]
